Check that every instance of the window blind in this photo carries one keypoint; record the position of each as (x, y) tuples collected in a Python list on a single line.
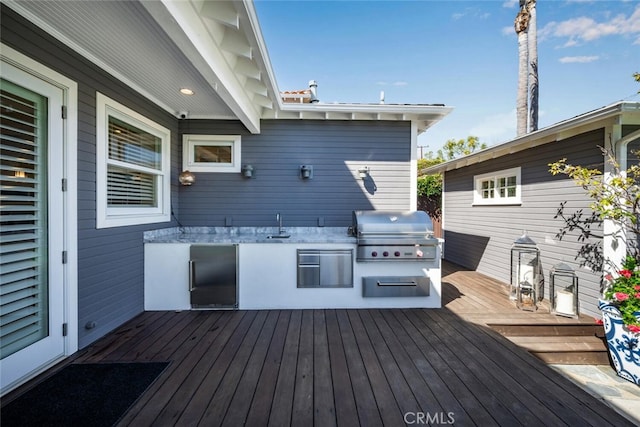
[(23, 218), (134, 157)]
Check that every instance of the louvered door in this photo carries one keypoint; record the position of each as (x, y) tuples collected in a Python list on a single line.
[(31, 234)]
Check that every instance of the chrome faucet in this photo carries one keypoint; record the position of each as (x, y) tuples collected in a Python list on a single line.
[(279, 219)]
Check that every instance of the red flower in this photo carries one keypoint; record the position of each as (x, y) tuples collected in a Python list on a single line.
[(638, 295), (626, 273), (634, 328), (608, 277), (598, 321), (637, 287), (621, 296)]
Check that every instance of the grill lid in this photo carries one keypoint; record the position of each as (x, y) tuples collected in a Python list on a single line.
[(397, 224)]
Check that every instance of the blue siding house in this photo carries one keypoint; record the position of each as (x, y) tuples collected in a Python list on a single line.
[(481, 224), (105, 103)]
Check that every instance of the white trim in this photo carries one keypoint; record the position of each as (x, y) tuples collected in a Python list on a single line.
[(122, 216), (613, 249), (478, 200), (69, 171), (226, 82), (189, 142), (413, 180)]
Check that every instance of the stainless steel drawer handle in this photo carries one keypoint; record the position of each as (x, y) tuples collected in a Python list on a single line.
[(192, 272), (397, 283)]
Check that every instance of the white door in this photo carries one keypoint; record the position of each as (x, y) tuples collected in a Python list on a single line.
[(32, 225)]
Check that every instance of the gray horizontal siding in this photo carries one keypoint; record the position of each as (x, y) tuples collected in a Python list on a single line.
[(110, 264), (334, 148), (480, 237)]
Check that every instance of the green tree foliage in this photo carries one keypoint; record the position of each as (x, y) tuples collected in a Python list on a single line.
[(430, 186), (616, 198), (456, 148)]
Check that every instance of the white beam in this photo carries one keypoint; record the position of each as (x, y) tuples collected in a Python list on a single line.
[(229, 88), (221, 11)]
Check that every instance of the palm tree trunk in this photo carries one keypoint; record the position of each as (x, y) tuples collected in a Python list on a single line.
[(533, 68), (521, 25)]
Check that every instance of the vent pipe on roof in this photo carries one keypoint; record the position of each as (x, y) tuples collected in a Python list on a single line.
[(381, 97), (313, 86)]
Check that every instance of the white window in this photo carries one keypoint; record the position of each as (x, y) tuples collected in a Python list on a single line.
[(497, 188), (211, 153), (133, 167)]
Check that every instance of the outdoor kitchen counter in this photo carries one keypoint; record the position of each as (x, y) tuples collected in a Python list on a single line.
[(268, 269), (234, 235)]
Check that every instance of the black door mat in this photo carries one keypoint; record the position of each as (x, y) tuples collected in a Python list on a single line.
[(96, 394)]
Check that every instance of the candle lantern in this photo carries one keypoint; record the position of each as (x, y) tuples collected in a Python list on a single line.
[(525, 273), (563, 290)]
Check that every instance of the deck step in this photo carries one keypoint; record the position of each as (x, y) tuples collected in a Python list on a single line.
[(549, 329), (570, 344)]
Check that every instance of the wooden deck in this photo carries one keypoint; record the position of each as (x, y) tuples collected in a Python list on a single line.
[(349, 367)]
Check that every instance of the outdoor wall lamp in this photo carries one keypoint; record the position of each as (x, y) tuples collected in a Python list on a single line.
[(306, 172), (247, 171), (363, 172), (186, 177)]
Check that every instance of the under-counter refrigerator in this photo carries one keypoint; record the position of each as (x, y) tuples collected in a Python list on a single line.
[(213, 276)]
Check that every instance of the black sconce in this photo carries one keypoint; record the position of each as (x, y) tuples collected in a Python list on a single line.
[(247, 171), (306, 171)]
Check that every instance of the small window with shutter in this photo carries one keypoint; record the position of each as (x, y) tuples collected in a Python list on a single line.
[(132, 167)]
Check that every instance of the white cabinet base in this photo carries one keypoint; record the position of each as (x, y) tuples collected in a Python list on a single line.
[(166, 276)]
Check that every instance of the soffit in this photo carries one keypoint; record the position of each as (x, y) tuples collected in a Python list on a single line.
[(143, 45)]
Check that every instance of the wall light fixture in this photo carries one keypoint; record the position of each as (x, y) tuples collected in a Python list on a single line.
[(186, 177), (306, 172)]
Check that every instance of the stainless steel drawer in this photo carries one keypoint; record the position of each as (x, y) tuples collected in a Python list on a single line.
[(325, 268)]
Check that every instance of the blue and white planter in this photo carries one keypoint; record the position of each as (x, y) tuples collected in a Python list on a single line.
[(624, 346)]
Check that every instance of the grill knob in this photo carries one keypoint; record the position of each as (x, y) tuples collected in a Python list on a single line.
[(397, 253), (385, 253), (374, 254)]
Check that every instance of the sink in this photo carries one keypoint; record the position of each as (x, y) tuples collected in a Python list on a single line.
[(278, 236)]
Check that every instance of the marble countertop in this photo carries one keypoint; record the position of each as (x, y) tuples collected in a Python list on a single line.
[(232, 235)]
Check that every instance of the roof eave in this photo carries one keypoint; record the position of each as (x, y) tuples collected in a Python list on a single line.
[(536, 138), (424, 115)]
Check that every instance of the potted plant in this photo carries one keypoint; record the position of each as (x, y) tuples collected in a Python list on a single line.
[(616, 199), (621, 319)]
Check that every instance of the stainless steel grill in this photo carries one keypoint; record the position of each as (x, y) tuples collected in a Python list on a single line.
[(394, 236)]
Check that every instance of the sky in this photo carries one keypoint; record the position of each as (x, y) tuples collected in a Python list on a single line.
[(463, 54)]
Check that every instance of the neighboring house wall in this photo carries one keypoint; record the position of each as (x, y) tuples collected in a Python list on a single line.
[(335, 149), (110, 261), (480, 237)]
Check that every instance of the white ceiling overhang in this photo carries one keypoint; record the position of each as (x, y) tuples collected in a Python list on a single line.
[(213, 47), (157, 47)]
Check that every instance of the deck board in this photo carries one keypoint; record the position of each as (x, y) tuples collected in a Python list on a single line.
[(368, 367)]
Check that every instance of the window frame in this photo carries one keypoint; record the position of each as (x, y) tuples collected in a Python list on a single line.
[(123, 216), (494, 178), (190, 141)]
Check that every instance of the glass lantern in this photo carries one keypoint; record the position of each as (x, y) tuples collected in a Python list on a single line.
[(525, 273), (563, 291)]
